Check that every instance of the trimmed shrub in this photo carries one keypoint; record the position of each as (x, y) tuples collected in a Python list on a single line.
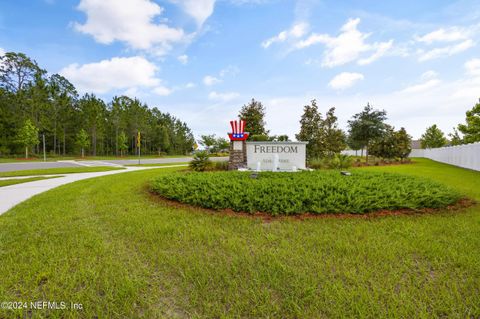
[(314, 192), (339, 161)]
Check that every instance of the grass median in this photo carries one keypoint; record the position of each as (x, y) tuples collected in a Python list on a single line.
[(8, 182), (59, 170)]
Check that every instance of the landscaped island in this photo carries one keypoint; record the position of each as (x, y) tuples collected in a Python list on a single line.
[(316, 192)]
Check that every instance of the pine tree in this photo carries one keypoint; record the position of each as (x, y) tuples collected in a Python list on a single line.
[(471, 130), (310, 129), (433, 137), (253, 114)]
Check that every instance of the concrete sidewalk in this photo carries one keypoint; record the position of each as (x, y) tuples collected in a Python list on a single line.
[(15, 194)]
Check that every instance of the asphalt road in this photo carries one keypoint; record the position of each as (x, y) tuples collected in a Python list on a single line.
[(8, 167)]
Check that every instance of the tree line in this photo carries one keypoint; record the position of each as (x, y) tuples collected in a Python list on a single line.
[(367, 131), (34, 103), (464, 133)]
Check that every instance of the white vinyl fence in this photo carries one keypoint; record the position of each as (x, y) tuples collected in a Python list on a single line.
[(466, 156)]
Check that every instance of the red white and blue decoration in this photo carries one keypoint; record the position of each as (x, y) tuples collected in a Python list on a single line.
[(238, 131)]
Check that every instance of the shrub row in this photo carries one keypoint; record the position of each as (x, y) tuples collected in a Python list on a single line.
[(314, 192)]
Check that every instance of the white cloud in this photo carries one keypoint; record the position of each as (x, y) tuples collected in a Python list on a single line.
[(230, 70), (183, 59), (445, 51), (296, 31), (114, 74), (200, 10), (422, 87), (2, 51), (131, 22), (190, 85), (473, 67), (223, 97), (162, 91), (210, 80), (345, 80), (430, 74), (452, 34), (380, 50), (348, 46)]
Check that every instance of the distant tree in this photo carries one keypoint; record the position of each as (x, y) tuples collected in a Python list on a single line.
[(455, 138), (62, 95), (254, 115), (403, 143), (334, 139), (122, 143), (471, 130), (17, 71), (433, 137), (82, 141), (310, 129), (384, 146), (208, 141), (283, 138), (165, 140), (27, 136), (221, 144), (366, 126), (259, 137)]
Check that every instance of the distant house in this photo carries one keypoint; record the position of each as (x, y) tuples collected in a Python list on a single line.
[(416, 144)]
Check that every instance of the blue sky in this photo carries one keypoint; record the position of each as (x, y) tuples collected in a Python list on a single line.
[(201, 60)]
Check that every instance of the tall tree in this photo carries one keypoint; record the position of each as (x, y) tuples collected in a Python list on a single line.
[(455, 138), (404, 143), (310, 129), (28, 136), (17, 71), (366, 126), (253, 114), (433, 137), (62, 95), (471, 130), (334, 139), (93, 111)]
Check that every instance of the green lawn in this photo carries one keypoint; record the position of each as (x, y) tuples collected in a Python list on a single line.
[(108, 245), (59, 170), (8, 182), (159, 165)]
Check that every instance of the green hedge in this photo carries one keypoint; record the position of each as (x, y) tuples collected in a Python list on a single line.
[(314, 192)]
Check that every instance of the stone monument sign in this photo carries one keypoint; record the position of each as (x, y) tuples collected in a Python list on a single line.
[(276, 156)]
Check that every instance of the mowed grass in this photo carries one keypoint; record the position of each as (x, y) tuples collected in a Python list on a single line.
[(159, 164), (109, 245), (317, 192), (59, 170), (14, 181)]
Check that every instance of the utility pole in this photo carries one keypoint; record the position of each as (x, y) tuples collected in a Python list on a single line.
[(139, 145), (44, 152)]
